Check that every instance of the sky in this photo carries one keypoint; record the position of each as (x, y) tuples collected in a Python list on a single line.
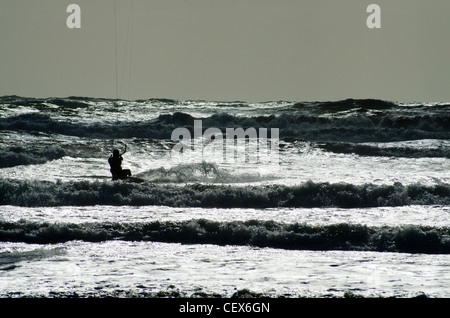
[(227, 50)]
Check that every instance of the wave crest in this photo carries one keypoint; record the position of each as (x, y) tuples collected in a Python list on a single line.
[(299, 236), (309, 194)]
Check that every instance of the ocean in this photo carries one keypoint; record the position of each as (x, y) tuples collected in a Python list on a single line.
[(355, 200)]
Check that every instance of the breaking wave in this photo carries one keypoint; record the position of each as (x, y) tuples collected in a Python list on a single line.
[(197, 172), (299, 236), (309, 194)]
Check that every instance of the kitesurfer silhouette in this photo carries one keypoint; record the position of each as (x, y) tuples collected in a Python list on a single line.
[(115, 162)]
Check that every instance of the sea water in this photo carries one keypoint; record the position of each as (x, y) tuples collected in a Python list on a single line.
[(358, 201)]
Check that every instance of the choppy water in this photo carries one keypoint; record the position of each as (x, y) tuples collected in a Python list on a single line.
[(358, 201)]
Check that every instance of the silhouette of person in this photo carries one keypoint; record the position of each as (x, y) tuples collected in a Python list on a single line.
[(115, 162)]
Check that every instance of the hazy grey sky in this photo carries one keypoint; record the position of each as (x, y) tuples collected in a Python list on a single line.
[(253, 50)]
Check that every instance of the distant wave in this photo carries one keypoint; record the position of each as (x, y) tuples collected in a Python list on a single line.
[(312, 128), (69, 102), (18, 155), (363, 121), (328, 107), (409, 238), (360, 105), (375, 151), (42, 103), (309, 194)]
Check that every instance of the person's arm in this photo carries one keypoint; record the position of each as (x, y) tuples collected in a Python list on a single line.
[(125, 149)]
